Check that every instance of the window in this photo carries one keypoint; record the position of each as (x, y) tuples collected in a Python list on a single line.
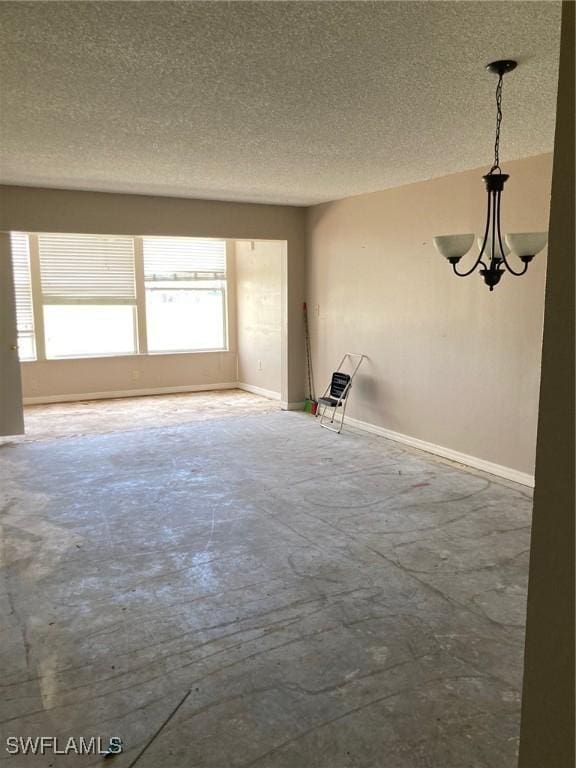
[(88, 295), (84, 330), (185, 281), (23, 295), (96, 295)]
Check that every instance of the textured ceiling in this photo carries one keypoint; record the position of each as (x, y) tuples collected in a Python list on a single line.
[(281, 102)]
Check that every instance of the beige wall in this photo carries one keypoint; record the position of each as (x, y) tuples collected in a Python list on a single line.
[(52, 210), (547, 730), (55, 379), (448, 362), (46, 380), (259, 313)]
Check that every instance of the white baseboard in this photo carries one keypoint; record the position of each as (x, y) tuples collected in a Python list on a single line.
[(447, 453), (72, 398), (45, 399), (270, 394), (298, 406)]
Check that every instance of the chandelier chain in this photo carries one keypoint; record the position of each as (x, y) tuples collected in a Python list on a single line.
[(492, 260), (496, 165)]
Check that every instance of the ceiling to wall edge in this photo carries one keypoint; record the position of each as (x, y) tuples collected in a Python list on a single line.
[(242, 203)]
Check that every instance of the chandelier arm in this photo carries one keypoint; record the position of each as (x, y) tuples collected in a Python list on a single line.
[(504, 259), (468, 272), (516, 274), (482, 249)]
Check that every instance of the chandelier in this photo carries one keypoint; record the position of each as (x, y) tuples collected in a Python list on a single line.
[(495, 251)]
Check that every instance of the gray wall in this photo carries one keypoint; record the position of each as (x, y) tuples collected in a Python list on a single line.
[(11, 417), (547, 730)]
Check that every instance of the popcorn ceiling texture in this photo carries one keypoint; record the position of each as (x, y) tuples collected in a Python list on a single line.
[(280, 102)]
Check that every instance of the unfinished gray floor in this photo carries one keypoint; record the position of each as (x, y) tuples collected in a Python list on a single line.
[(330, 602)]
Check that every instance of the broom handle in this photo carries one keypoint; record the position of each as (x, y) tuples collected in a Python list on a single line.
[(308, 357)]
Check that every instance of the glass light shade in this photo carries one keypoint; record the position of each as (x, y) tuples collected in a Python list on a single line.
[(488, 249), (527, 243), (453, 246)]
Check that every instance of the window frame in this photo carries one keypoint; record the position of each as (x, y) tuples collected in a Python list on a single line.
[(139, 254), (224, 304), (138, 305), (46, 300), (90, 355), (20, 333)]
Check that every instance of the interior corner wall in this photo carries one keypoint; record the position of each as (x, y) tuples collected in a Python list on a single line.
[(449, 363), (29, 209), (258, 267), (547, 736)]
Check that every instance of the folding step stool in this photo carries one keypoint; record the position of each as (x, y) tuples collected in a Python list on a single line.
[(336, 394)]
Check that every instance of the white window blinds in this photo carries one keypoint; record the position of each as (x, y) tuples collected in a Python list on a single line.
[(183, 258), (91, 269), (22, 283)]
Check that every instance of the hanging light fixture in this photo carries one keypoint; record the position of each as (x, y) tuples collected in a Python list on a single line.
[(494, 252)]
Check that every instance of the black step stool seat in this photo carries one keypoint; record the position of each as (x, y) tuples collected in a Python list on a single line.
[(339, 386), (331, 402)]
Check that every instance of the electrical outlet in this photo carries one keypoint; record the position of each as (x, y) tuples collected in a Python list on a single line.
[(135, 375), (259, 365)]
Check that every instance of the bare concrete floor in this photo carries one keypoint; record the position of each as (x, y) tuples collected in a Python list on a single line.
[(320, 601), (88, 417)]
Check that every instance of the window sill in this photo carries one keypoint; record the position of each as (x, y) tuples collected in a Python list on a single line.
[(128, 356)]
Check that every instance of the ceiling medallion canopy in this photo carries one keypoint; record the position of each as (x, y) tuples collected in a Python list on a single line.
[(495, 251)]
